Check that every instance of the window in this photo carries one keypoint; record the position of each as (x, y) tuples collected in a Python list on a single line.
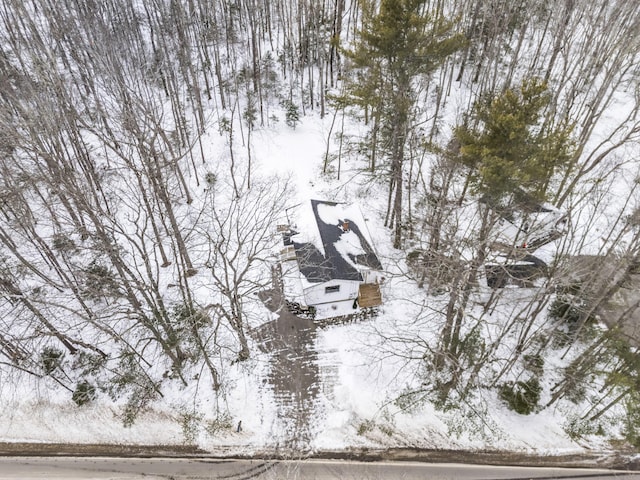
[(332, 288)]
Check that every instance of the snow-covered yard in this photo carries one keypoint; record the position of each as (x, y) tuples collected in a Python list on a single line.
[(142, 190)]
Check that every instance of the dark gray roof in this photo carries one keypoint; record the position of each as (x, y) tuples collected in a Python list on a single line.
[(334, 265)]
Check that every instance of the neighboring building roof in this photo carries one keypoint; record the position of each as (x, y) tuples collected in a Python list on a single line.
[(527, 223), (344, 249)]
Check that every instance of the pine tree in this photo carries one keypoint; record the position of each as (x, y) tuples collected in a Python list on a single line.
[(395, 46), (508, 150)]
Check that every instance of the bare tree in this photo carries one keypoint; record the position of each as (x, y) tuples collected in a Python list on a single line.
[(241, 239)]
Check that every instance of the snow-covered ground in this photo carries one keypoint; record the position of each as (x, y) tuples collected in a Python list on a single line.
[(359, 381)]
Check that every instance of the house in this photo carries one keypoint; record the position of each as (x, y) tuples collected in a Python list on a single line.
[(520, 272), (521, 230), (529, 225), (328, 261)]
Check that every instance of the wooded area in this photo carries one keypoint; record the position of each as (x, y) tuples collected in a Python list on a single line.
[(116, 222)]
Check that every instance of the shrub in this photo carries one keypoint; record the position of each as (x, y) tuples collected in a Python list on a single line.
[(222, 422), (133, 383), (211, 178), (190, 422), (99, 282), (63, 243), (577, 428), (365, 427), (576, 378), (139, 399), (571, 313), (84, 393), (566, 308), (292, 114), (410, 400), (88, 364), (471, 418), (534, 363), (632, 419), (50, 359), (472, 346), (188, 316), (521, 397)]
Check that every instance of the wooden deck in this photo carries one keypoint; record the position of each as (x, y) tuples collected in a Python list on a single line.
[(369, 295)]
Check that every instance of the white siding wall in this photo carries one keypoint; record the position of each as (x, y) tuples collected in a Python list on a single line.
[(333, 291)]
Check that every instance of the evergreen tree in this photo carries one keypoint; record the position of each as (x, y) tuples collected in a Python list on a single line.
[(395, 46), (508, 150)]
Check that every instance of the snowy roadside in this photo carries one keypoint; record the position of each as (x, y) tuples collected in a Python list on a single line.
[(609, 460)]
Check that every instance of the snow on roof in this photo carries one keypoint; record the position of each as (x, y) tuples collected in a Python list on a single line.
[(332, 242)]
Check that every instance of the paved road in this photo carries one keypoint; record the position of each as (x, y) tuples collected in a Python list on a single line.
[(31, 468)]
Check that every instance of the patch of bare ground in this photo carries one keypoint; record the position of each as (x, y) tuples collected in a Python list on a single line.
[(97, 450), (614, 460)]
